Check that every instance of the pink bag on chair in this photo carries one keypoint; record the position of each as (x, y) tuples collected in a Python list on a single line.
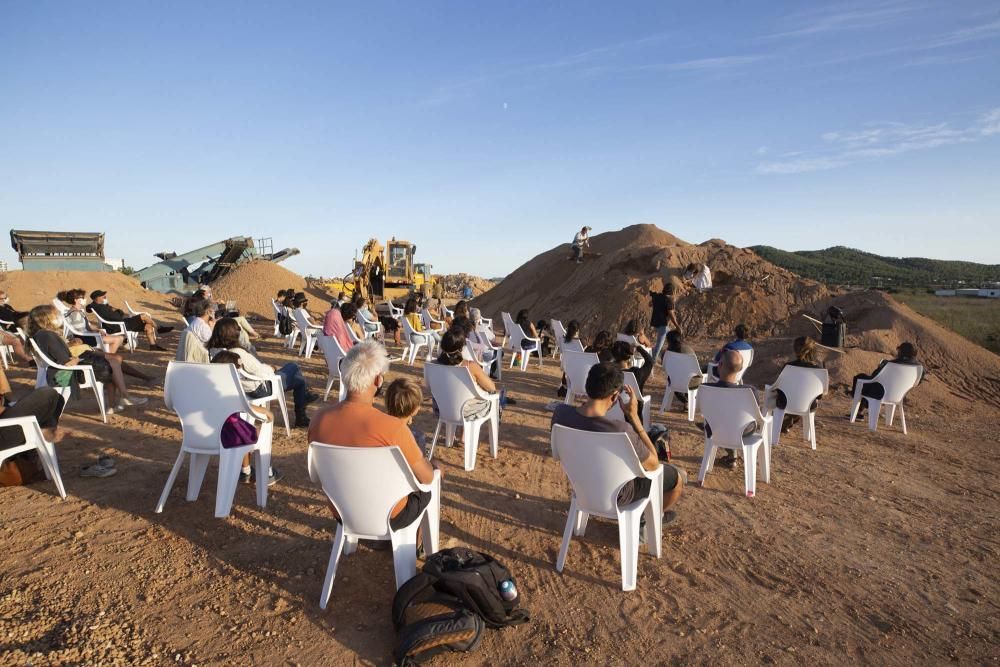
[(238, 432)]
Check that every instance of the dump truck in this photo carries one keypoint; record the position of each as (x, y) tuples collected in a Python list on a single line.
[(385, 272)]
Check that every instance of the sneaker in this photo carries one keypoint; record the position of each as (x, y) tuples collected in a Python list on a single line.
[(272, 478), (129, 401), (302, 422), (97, 470), (246, 477)]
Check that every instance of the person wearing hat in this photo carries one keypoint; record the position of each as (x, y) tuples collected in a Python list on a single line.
[(581, 241), (141, 322)]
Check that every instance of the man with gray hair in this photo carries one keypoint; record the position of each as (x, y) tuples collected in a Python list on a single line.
[(356, 422)]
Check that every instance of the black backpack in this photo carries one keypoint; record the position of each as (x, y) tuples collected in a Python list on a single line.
[(445, 607), (284, 325)]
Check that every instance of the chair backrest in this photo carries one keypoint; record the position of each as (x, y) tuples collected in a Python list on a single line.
[(131, 309), (277, 308), (576, 365), (628, 339), (190, 348), (559, 331), (362, 320), (203, 396), (597, 464), (897, 379), (616, 411), (747, 360), (680, 368), (728, 410), (394, 311), (575, 345), (302, 319), (451, 387), (447, 311), (61, 307), (363, 483), (508, 324), (801, 386), (42, 362), (408, 329), (333, 353)]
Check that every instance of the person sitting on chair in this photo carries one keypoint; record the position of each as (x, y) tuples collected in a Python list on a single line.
[(605, 386), (806, 356), (730, 365), (906, 354), (601, 346), (18, 318), (138, 323), (676, 343), (334, 325), (739, 343), (413, 317)]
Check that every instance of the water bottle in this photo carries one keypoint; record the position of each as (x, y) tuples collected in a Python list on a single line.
[(507, 590)]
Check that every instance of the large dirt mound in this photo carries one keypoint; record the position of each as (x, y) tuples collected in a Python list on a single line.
[(253, 284), (454, 283), (959, 371), (32, 288), (605, 292)]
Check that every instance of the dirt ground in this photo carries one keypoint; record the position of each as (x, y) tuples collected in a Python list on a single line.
[(878, 548)]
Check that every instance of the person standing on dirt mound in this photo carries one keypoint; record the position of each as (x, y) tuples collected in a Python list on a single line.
[(664, 315), (581, 241)]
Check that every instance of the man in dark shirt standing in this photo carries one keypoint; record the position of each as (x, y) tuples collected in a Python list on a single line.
[(664, 315), (605, 383), (141, 322)]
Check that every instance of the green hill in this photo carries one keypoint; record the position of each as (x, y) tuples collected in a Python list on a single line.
[(847, 266)]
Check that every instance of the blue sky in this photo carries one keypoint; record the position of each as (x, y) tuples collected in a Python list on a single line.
[(489, 132)]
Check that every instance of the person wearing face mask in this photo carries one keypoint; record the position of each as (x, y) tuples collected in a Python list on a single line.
[(356, 422), (76, 317), (138, 323), (9, 314), (45, 327)]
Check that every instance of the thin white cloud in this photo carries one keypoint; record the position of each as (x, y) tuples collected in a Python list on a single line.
[(845, 17), (840, 148), (976, 33)]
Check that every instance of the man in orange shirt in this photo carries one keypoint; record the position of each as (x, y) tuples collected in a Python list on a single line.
[(356, 422)]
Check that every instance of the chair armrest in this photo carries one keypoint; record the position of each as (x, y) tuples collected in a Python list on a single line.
[(434, 486)]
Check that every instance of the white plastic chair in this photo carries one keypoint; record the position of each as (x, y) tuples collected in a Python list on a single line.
[(308, 331), (89, 379), (394, 312), (428, 321), (577, 365), (616, 411), (447, 311), (333, 353), (133, 311), (575, 345), (484, 335), (277, 394), (728, 411), (452, 387), (559, 331), (278, 312), (897, 379), (92, 338), (637, 358), (515, 334), (375, 333), (61, 307), (118, 329), (414, 341), (801, 386), (34, 439), (598, 465), (469, 352), (364, 484), (203, 396), (680, 368)]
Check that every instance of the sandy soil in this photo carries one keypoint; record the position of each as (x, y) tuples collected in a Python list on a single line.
[(878, 547)]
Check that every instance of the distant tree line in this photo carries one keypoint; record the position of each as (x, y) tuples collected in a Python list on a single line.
[(846, 266)]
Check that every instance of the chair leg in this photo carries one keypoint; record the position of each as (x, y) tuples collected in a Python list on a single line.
[(766, 446), (437, 431), (470, 431), (262, 458), (229, 475), (902, 418), (668, 400), (580, 529), (431, 521), (170, 482), (449, 434), (707, 461), (567, 535), (196, 475), (855, 405), (329, 386), (890, 414), (283, 405), (874, 409), (99, 395), (47, 454), (628, 542), (495, 430), (810, 423), (654, 518), (750, 469), (777, 417), (692, 403), (331, 567), (404, 553)]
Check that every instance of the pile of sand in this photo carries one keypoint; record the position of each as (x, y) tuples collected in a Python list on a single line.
[(253, 284), (27, 289), (605, 292), (454, 283), (958, 370)]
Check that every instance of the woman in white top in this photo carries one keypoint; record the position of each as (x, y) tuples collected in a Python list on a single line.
[(76, 316)]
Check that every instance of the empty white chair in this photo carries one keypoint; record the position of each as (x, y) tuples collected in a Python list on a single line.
[(34, 439), (559, 331), (347, 475), (728, 411), (203, 396), (801, 386), (576, 365), (89, 378), (897, 380), (118, 329), (277, 394), (414, 341), (452, 387), (680, 369), (333, 353), (308, 331), (616, 411), (598, 465), (515, 336)]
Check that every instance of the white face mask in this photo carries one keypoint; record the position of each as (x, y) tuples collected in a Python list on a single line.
[(79, 302), (5, 300)]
